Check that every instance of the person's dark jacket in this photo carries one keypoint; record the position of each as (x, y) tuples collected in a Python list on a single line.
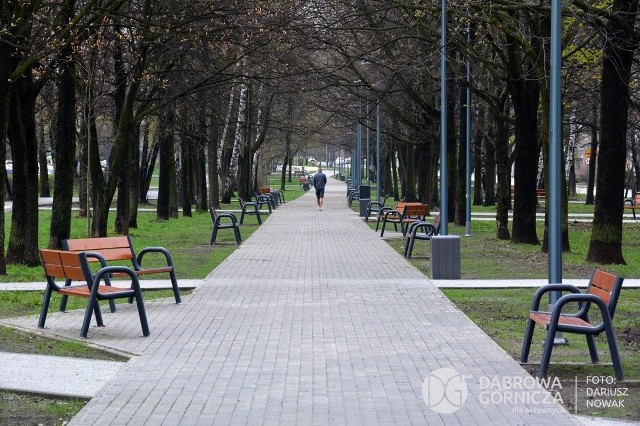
[(319, 180)]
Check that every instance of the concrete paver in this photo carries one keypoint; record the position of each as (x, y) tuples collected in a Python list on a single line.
[(299, 326)]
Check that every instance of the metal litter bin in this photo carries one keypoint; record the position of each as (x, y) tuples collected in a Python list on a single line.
[(365, 191), (364, 204), (445, 257)]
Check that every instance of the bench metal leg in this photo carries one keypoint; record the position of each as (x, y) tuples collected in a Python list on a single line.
[(384, 222), (93, 306), (613, 348), (45, 307), (528, 336), (63, 300), (142, 313), (174, 286), (593, 351), (546, 352)]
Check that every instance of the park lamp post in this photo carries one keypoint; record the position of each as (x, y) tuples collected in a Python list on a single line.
[(378, 155), (555, 158), (366, 162), (378, 148), (444, 200), (468, 143)]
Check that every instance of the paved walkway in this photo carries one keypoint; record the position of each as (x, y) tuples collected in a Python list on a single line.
[(298, 327)]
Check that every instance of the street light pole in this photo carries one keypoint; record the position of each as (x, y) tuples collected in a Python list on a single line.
[(358, 155), (468, 142), (378, 155), (367, 150), (555, 157), (444, 201)]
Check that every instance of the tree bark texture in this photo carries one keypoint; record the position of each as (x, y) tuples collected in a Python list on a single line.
[(605, 246), (23, 239)]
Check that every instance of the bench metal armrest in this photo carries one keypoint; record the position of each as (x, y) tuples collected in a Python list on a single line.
[(429, 229), (535, 304), (391, 212), (584, 301), (226, 215), (108, 270), (146, 250)]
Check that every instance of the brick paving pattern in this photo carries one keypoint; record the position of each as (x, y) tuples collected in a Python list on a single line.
[(313, 320)]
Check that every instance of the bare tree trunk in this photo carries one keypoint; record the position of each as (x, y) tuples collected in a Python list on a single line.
[(167, 163), (23, 240), (81, 158), (592, 160), (620, 44), (503, 190), (185, 187), (222, 166), (424, 161), (239, 140), (4, 119), (212, 152), (43, 164)]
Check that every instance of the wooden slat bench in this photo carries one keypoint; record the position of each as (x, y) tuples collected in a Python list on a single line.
[(633, 204), (121, 248), (603, 291), (72, 266), (404, 215)]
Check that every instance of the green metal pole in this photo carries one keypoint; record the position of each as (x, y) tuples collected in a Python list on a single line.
[(468, 144), (444, 201), (555, 158)]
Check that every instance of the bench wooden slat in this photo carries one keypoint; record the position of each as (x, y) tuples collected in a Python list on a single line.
[(121, 249), (89, 244), (111, 254), (83, 291), (544, 319)]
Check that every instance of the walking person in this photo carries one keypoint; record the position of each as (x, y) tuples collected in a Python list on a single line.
[(319, 182)]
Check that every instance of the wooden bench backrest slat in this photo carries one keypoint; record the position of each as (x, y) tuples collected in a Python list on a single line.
[(111, 248), (59, 264), (415, 210), (401, 205), (602, 285), (88, 244)]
